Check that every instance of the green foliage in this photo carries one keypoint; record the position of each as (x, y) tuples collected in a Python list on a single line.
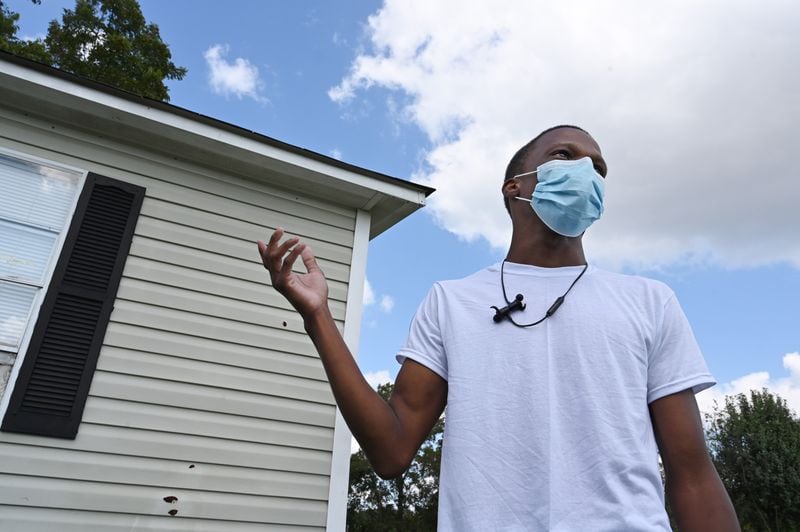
[(8, 26), (106, 40), (9, 41), (755, 445), (406, 503)]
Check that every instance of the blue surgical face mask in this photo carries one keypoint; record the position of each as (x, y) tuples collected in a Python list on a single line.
[(568, 197)]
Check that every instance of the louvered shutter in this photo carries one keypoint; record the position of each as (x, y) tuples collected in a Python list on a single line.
[(57, 370)]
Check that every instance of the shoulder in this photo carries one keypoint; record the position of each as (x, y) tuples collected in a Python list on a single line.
[(484, 278), (635, 285), (469, 288)]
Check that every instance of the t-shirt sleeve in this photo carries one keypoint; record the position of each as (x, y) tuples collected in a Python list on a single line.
[(675, 362), (424, 343)]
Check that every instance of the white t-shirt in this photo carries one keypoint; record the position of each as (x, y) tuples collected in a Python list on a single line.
[(548, 427)]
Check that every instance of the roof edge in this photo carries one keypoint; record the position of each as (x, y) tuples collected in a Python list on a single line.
[(210, 121)]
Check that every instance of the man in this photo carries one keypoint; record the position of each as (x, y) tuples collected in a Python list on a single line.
[(558, 400)]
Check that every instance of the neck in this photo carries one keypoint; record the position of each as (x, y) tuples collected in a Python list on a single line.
[(545, 248)]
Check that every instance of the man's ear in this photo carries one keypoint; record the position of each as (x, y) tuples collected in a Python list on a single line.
[(510, 188)]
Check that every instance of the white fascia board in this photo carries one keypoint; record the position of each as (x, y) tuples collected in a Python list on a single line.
[(99, 102)]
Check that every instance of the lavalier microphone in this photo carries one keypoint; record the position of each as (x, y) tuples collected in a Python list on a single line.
[(502, 313)]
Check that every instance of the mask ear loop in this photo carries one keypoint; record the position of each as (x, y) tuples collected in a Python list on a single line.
[(526, 173), (524, 199)]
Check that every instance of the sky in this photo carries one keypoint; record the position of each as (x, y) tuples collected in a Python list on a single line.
[(696, 105)]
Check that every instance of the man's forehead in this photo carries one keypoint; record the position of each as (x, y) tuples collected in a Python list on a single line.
[(566, 135)]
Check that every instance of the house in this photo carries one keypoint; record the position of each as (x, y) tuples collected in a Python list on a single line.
[(150, 379)]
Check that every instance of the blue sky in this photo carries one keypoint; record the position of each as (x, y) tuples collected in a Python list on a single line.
[(695, 107)]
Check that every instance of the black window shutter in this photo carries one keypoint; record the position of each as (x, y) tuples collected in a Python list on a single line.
[(53, 382)]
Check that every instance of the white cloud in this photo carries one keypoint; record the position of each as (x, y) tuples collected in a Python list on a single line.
[(387, 303), (695, 107), (336, 153), (377, 378), (369, 295), (34, 37), (339, 40), (787, 388), (239, 78)]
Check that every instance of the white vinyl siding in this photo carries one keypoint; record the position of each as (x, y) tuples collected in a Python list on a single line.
[(207, 387)]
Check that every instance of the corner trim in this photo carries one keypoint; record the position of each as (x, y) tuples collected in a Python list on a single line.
[(340, 459)]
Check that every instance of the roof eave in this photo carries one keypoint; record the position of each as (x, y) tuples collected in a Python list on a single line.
[(45, 91)]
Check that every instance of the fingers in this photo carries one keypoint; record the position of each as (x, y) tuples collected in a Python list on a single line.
[(289, 260), (276, 254), (276, 237), (309, 261), (262, 251), (272, 255), (265, 249)]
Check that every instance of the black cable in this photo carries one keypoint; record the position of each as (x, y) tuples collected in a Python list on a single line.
[(553, 308)]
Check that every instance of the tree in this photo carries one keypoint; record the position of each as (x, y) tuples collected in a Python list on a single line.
[(33, 49), (406, 503), (106, 40), (755, 446)]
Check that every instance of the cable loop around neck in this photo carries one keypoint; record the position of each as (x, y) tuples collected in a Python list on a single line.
[(553, 308)]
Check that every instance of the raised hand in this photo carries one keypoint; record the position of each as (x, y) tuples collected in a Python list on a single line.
[(308, 292)]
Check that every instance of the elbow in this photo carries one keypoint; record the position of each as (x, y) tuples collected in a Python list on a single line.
[(388, 473), (389, 467)]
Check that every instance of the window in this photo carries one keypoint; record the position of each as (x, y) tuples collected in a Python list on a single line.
[(52, 330), (35, 204)]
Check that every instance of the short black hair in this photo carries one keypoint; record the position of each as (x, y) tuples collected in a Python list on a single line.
[(515, 164)]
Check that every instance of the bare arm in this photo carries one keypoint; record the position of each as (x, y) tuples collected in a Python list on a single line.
[(694, 490), (389, 433)]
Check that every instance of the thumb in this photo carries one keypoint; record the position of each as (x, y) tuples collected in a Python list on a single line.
[(309, 261)]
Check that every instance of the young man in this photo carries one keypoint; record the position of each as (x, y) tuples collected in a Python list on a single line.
[(557, 403)]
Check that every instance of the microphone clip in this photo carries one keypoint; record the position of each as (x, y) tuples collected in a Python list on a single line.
[(502, 313)]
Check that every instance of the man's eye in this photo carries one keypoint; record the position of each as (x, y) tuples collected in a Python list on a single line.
[(562, 153)]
